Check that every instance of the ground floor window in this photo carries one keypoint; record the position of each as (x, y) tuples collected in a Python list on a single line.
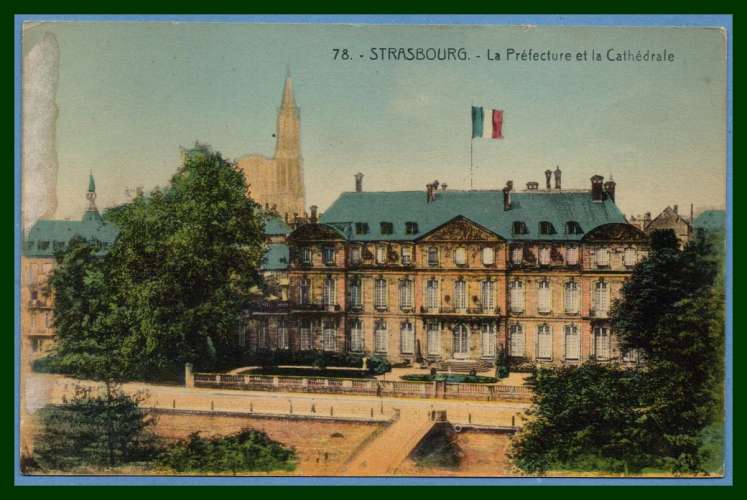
[(262, 334), (488, 340), (630, 356), (572, 342), (381, 338), (241, 335), (601, 342), (516, 341), (407, 337), (356, 336), (434, 339), (282, 334), (329, 336), (544, 342), (304, 335)]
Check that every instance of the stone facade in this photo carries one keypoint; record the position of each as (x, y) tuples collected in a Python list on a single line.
[(277, 182)]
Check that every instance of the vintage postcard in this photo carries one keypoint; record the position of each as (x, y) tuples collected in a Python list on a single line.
[(262, 248)]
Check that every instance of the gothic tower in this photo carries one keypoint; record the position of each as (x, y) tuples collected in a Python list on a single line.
[(278, 182)]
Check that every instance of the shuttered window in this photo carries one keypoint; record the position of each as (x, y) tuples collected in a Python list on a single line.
[(516, 341), (407, 337), (516, 296), (572, 342), (544, 342)]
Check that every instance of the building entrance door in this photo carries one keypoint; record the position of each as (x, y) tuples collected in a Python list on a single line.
[(461, 342)]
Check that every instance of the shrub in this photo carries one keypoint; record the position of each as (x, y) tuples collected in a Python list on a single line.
[(378, 365), (246, 451)]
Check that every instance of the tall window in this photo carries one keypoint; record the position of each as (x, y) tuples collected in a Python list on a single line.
[(381, 254), (262, 334), (282, 334), (629, 257), (304, 291), (544, 297), (488, 256), (304, 335), (516, 341), (329, 336), (405, 294), (355, 255), (544, 342), (517, 255), (487, 295), (356, 336), (433, 256), (306, 255), (406, 255), (328, 253), (356, 296), (431, 294), (380, 294), (488, 340), (329, 298), (602, 257), (601, 299), (572, 298), (516, 296), (572, 342), (460, 256), (601, 343), (571, 255), (460, 295), (381, 337), (544, 256), (241, 336), (434, 338), (407, 337)]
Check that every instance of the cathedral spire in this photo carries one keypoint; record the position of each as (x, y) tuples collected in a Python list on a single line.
[(289, 124), (289, 100)]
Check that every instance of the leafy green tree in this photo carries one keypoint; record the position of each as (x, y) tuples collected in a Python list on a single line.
[(94, 429), (246, 451), (671, 314)]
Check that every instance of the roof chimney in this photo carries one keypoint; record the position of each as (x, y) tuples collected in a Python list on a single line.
[(313, 213), (674, 209), (358, 182), (443, 186), (597, 193), (609, 188), (557, 176), (548, 174), (507, 195), (532, 186)]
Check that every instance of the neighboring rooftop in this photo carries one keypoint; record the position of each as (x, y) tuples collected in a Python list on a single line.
[(276, 258), (276, 226), (485, 207)]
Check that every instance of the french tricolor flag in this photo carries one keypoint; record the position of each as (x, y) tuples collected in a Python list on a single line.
[(487, 124)]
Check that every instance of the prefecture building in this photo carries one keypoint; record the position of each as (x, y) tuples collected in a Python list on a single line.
[(450, 277)]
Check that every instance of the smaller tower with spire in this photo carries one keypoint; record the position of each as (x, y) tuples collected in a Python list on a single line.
[(92, 212)]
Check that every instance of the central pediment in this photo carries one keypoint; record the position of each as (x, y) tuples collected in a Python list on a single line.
[(460, 229)]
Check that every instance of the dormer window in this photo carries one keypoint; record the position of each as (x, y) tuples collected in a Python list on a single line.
[(546, 228), (519, 228), (573, 227), (387, 228), (361, 228), (411, 227)]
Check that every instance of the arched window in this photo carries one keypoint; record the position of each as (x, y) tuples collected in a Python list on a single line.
[(329, 297), (405, 294), (381, 337), (571, 255), (380, 294), (460, 256), (407, 337), (460, 295), (573, 227), (516, 296), (356, 336), (329, 336), (488, 256), (516, 341), (546, 228), (544, 297), (431, 294), (572, 299), (487, 295), (519, 227), (572, 342), (600, 299), (544, 341)]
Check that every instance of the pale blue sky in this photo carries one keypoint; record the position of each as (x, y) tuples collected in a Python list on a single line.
[(131, 93)]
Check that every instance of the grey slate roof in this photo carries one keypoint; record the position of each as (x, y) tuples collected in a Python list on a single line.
[(483, 207), (276, 226), (276, 258), (47, 235)]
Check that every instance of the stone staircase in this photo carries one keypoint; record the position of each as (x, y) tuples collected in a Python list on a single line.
[(465, 365)]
